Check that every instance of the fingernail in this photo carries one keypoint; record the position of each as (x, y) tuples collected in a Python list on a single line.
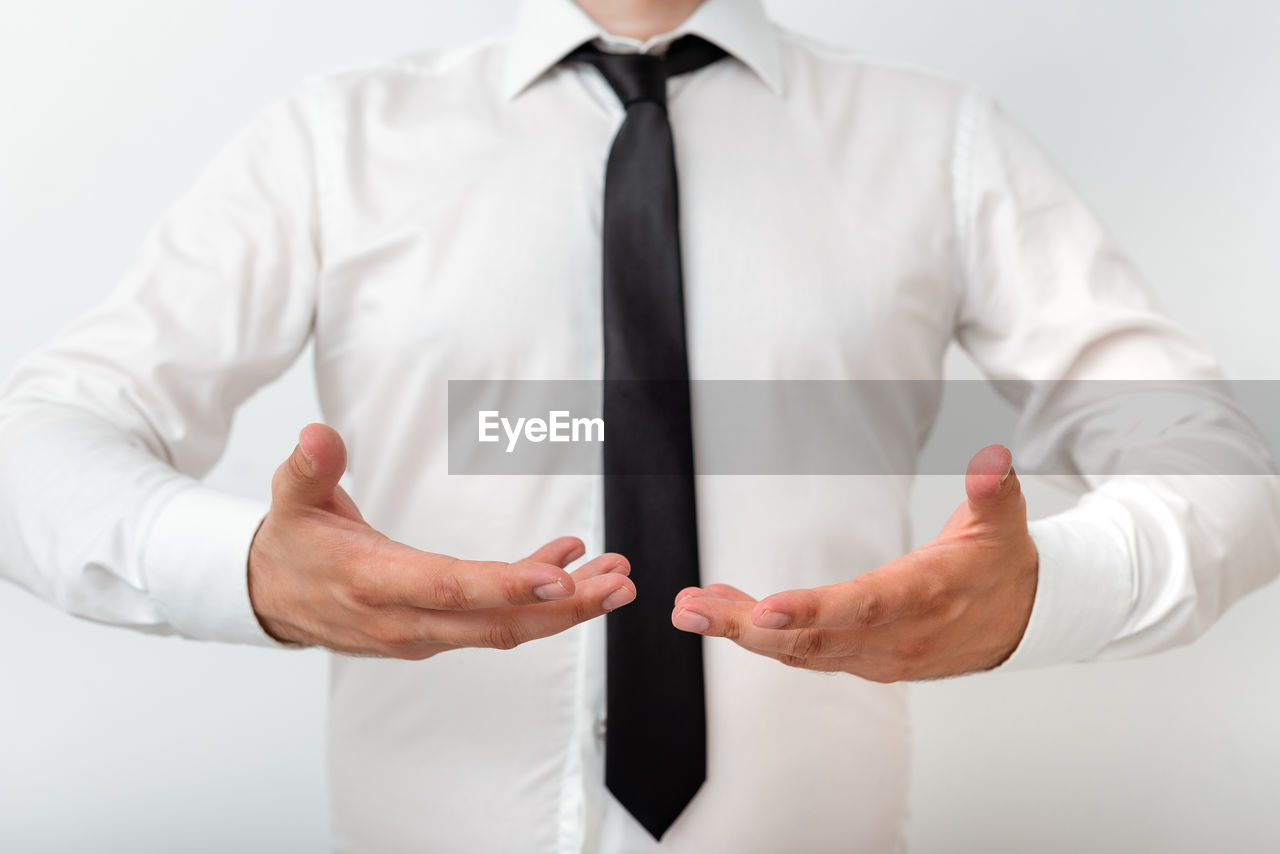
[(618, 598), (1006, 474), (554, 590), (772, 620), (691, 622)]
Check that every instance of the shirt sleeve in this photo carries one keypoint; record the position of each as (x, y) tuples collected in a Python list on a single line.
[(105, 430), (1175, 522)]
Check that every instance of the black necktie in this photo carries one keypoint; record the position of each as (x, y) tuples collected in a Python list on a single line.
[(655, 740)]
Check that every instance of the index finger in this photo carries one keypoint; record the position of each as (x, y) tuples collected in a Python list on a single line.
[(878, 597), (441, 583)]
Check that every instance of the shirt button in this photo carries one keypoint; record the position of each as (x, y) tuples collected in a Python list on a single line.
[(600, 728)]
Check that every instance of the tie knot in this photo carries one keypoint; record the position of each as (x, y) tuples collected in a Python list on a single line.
[(636, 77)]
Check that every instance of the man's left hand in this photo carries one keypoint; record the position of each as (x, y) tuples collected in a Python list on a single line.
[(955, 605)]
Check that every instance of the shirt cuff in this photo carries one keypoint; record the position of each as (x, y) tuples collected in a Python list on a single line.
[(195, 560), (1084, 591)]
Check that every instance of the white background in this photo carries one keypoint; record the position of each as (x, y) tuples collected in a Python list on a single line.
[(1167, 115)]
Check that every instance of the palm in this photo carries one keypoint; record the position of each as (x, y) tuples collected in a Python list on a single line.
[(957, 604)]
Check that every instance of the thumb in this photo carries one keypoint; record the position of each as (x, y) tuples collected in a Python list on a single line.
[(311, 473), (990, 482)]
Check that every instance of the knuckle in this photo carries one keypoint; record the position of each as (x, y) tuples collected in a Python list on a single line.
[(848, 648), (807, 609), (351, 598), (579, 611), (794, 661), (934, 590), (867, 610), (936, 585), (500, 635), (807, 643), (447, 592), (514, 589), (366, 578), (294, 469), (359, 595), (954, 609)]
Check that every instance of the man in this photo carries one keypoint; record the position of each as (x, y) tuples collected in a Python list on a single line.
[(443, 219)]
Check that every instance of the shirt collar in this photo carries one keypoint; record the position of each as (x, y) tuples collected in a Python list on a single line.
[(546, 30)]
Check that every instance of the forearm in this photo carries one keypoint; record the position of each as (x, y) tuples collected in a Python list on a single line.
[(1178, 525), (1195, 545), (1116, 399), (104, 430), (94, 522)]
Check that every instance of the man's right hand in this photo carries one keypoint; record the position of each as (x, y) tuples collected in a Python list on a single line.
[(320, 575)]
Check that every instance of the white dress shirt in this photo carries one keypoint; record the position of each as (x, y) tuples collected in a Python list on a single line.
[(439, 218)]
